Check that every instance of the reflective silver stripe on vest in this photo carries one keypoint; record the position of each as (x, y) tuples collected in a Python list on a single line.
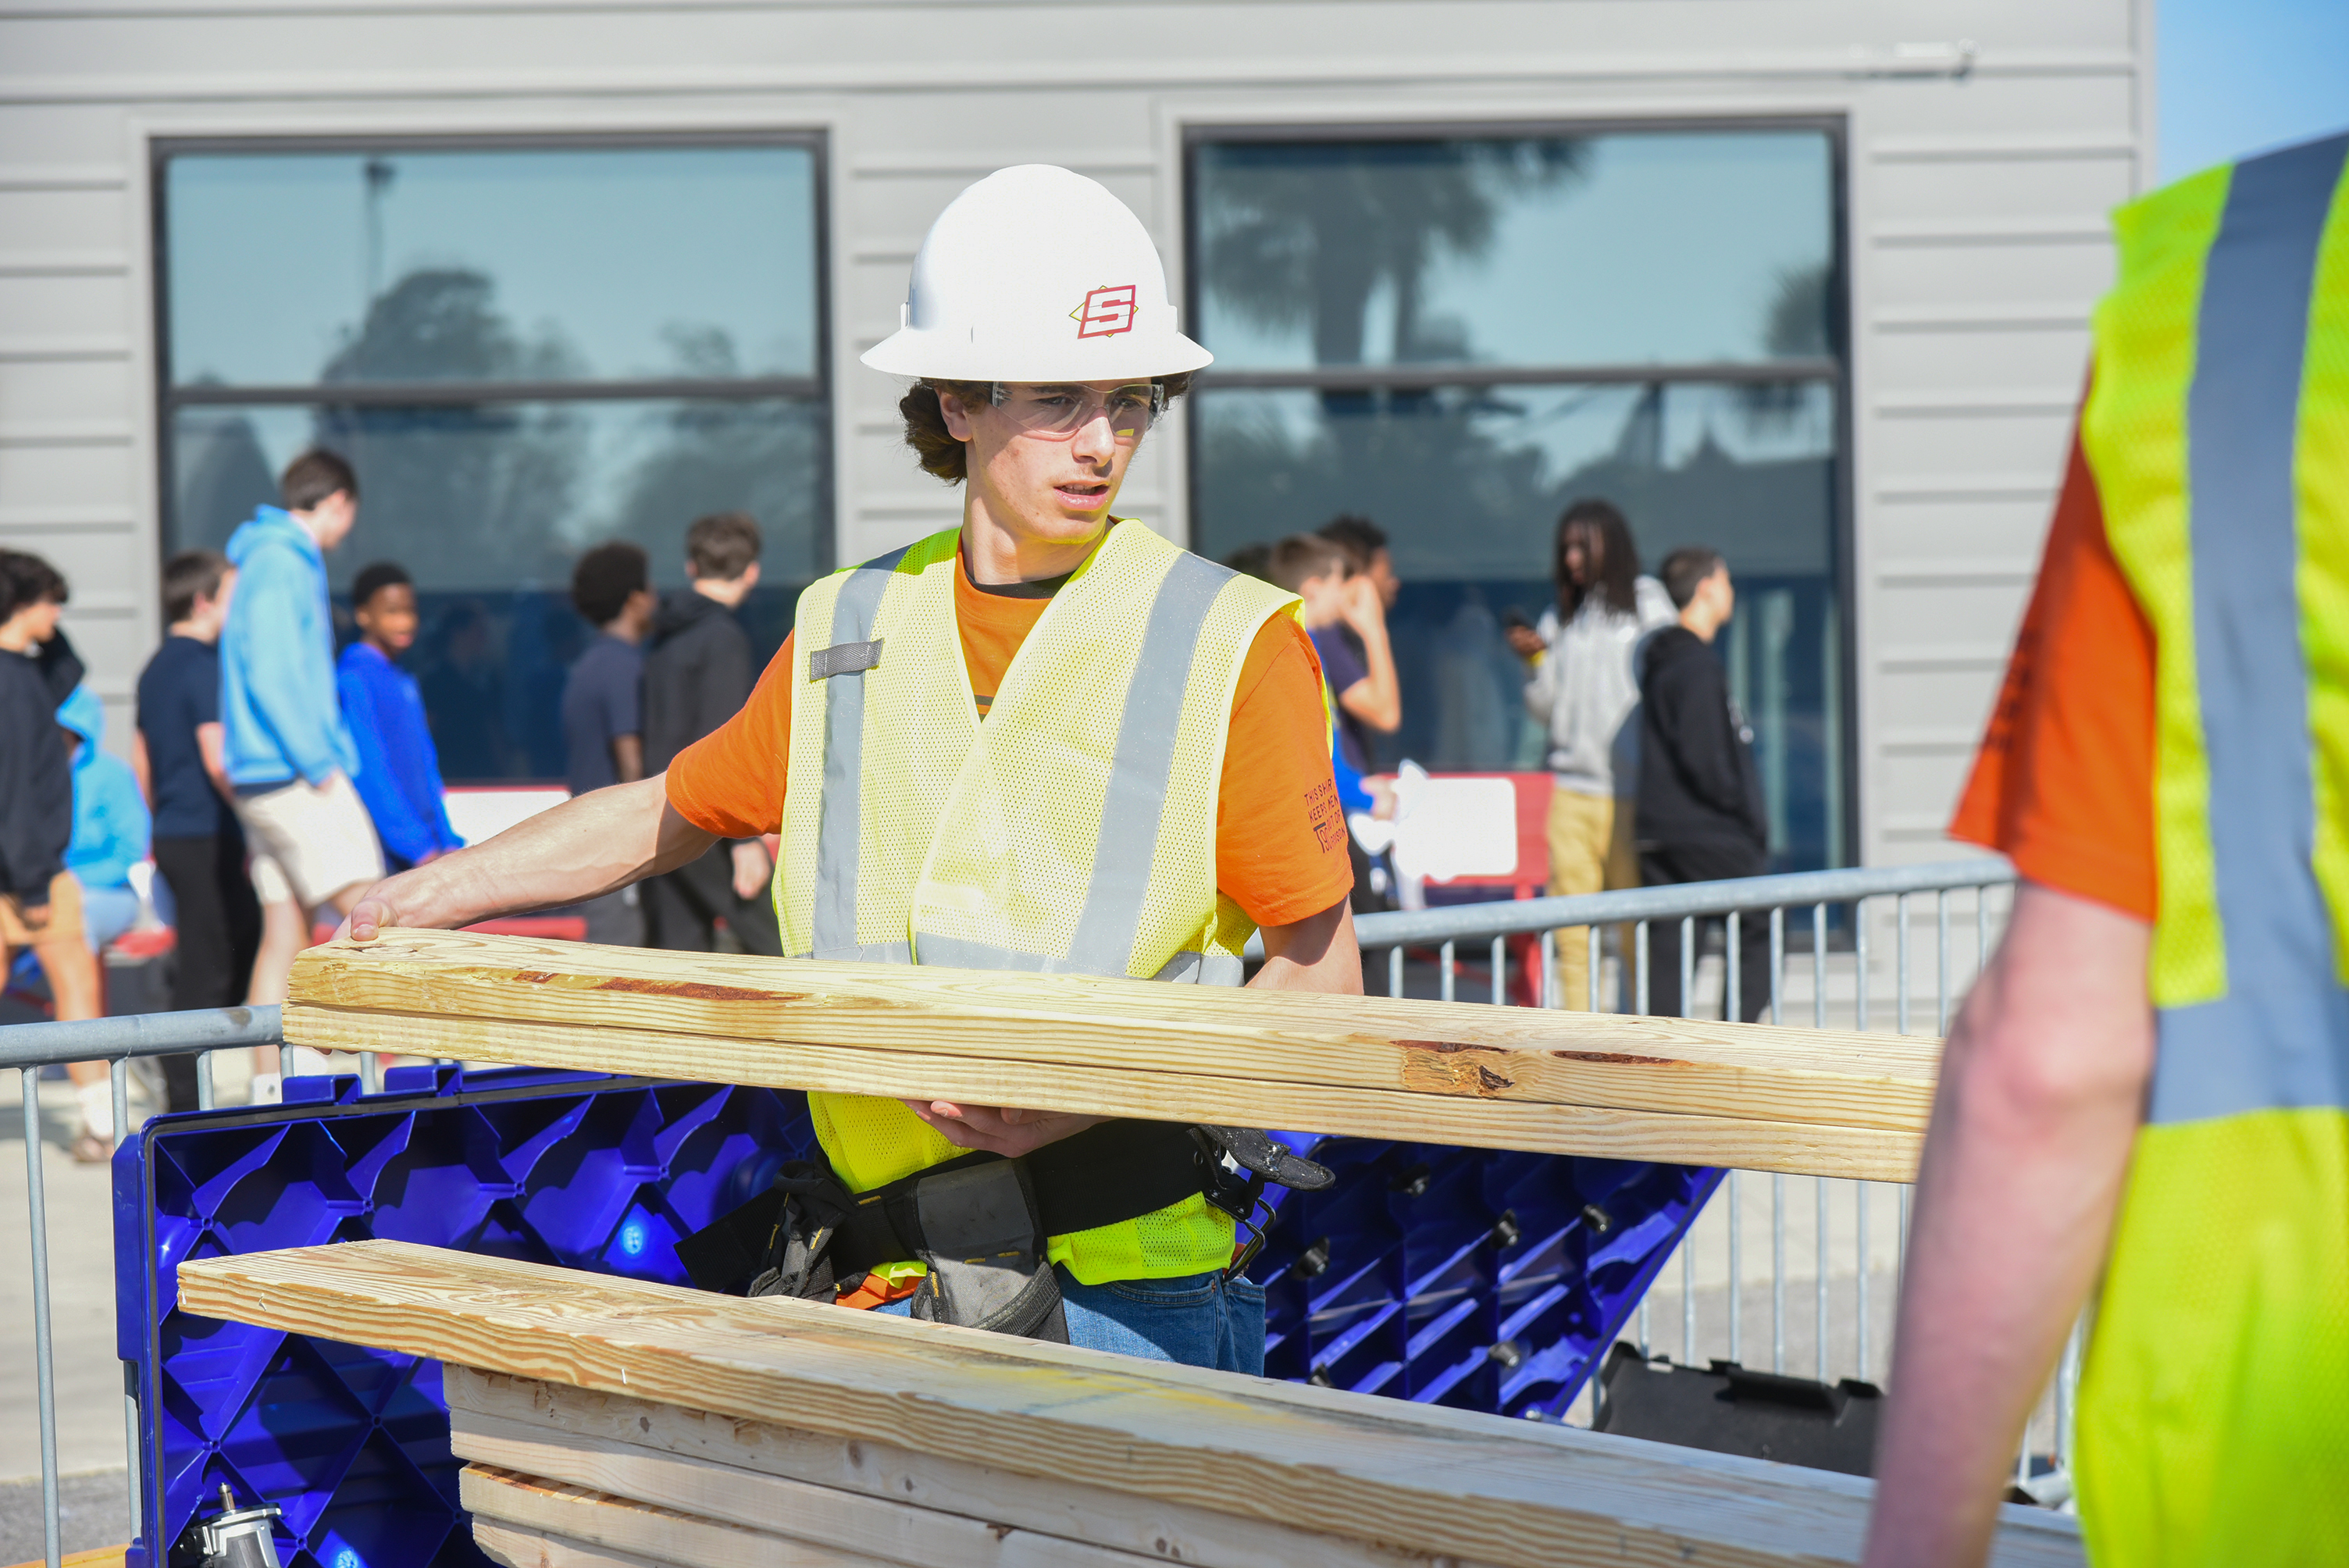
[(840, 820), (1141, 762), (1136, 805), (2280, 1037)]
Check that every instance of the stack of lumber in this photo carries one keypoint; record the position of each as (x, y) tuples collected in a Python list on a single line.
[(1804, 1101), (611, 1422)]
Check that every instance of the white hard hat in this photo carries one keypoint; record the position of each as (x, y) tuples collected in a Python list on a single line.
[(1037, 273)]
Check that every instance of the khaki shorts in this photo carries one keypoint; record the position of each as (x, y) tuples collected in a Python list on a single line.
[(314, 839), (64, 915)]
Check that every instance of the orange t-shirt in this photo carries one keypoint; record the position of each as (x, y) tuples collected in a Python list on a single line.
[(1280, 839), (2064, 783)]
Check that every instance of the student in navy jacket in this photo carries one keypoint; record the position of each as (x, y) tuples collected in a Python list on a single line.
[(399, 775)]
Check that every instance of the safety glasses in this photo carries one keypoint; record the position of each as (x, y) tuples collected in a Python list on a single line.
[(1058, 411)]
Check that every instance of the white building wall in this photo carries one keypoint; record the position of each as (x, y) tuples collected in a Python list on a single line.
[(1985, 143)]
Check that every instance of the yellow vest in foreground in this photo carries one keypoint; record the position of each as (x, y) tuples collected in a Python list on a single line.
[(1072, 830), (2214, 1416)]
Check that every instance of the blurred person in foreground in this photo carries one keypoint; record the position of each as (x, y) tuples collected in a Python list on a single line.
[(290, 753), (40, 901), (1579, 683), (399, 775), (697, 675), (2149, 1085), (1700, 814), (603, 705), (180, 759)]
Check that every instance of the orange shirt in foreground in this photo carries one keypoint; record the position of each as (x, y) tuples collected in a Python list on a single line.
[(2064, 783), (1280, 843)]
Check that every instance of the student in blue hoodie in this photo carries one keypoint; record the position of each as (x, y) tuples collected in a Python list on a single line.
[(290, 758), (399, 772)]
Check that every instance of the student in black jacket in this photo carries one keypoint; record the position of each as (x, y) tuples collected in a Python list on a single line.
[(699, 673), (40, 901), (179, 754), (1701, 816)]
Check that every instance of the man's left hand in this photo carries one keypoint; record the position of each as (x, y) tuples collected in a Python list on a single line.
[(998, 1129)]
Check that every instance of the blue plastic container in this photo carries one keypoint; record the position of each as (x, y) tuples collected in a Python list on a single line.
[(1468, 1277), (1487, 1280), (579, 1169)]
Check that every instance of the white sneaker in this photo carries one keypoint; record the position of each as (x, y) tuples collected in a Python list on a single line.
[(266, 1089), (96, 1102)]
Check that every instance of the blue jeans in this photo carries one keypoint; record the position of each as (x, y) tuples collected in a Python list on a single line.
[(1199, 1320)]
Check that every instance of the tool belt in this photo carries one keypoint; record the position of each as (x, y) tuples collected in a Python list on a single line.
[(982, 1223)]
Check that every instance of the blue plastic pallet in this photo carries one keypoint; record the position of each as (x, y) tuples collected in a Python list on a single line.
[(1487, 1280), (579, 1169), (1456, 1276)]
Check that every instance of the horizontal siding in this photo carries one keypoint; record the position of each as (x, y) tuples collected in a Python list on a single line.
[(1977, 235)]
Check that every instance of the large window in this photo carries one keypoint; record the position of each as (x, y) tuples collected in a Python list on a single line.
[(525, 349), (1456, 336)]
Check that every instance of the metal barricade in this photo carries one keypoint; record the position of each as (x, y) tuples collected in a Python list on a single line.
[(30, 1047), (1846, 913)]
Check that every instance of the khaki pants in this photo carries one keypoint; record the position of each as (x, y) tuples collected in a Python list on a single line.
[(1589, 851)]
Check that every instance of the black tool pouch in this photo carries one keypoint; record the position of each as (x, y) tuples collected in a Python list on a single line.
[(778, 1244), (992, 1273)]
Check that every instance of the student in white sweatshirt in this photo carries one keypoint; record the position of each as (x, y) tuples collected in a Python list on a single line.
[(1581, 681)]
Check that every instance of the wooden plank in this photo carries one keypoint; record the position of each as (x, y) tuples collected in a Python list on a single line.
[(1086, 1042), (519, 1546), (628, 1446), (641, 1529), (886, 1528), (1409, 1476), (1798, 1149)]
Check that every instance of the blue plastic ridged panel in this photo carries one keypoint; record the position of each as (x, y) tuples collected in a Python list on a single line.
[(1482, 1280), (1488, 1281), (578, 1170)]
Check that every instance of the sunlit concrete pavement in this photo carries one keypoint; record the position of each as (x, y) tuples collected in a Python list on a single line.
[(91, 1451)]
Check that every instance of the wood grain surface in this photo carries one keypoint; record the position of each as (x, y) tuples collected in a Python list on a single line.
[(520, 1546), (644, 1528), (1405, 1476), (883, 1528), (1854, 1104), (577, 1435)]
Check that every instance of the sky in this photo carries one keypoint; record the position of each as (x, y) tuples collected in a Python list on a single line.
[(2243, 76)]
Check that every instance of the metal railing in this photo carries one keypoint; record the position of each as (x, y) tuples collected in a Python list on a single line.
[(1841, 919), (30, 1047)]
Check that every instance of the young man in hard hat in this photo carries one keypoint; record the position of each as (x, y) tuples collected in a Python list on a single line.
[(1046, 740)]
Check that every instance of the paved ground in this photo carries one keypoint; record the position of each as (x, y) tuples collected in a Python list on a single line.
[(92, 1512), (80, 1204)]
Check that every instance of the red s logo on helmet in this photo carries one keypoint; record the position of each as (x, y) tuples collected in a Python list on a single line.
[(1106, 312)]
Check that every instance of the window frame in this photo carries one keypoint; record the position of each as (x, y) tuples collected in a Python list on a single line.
[(170, 400), (1832, 369)]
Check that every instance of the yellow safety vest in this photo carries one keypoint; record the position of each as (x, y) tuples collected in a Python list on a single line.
[(1071, 831), (2214, 1420)]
